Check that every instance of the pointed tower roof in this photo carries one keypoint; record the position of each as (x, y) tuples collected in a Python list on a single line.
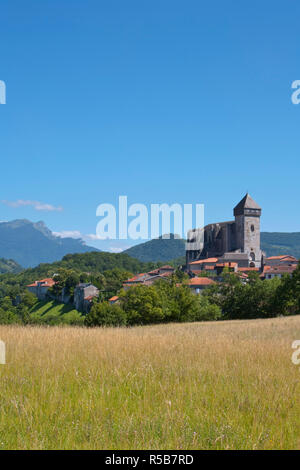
[(246, 203)]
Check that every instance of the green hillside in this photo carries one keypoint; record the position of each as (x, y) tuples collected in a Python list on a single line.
[(115, 267), (164, 250), (54, 313), (9, 266), (107, 271), (158, 249), (278, 243)]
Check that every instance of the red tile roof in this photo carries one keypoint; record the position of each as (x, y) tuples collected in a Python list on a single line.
[(201, 281), (282, 269), (48, 282), (155, 271), (166, 274), (207, 260), (228, 264), (266, 268), (112, 299), (136, 278), (248, 269)]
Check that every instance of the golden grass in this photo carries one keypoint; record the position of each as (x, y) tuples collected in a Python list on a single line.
[(225, 385)]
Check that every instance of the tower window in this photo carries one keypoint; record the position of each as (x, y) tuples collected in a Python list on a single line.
[(252, 228)]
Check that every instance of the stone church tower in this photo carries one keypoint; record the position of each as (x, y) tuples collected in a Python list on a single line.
[(247, 228), (237, 240)]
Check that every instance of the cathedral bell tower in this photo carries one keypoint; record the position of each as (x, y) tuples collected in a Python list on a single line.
[(247, 222)]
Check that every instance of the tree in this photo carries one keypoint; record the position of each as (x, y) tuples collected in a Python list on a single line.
[(104, 314), (142, 305), (8, 317), (71, 282), (28, 299), (288, 294), (255, 299), (206, 310), (60, 279)]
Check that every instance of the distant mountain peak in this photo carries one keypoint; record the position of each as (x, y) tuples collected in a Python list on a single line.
[(42, 227), (31, 243)]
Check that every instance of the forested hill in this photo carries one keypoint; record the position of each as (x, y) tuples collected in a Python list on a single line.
[(95, 263), (9, 266), (158, 249), (281, 243), (167, 249)]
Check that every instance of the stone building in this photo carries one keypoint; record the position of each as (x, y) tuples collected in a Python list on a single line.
[(234, 241), (41, 287), (270, 272), (83, 295)]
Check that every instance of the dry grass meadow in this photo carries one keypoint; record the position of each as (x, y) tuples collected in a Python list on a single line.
[(225, 385)]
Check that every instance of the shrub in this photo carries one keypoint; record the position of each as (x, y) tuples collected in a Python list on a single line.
[(142, 305), (105, 314), (7, 317), (206, 310)]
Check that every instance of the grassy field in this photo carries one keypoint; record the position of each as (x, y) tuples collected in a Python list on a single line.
[(54, 312), (225, 385)]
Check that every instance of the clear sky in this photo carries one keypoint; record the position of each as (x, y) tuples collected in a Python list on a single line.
[(161, 100)]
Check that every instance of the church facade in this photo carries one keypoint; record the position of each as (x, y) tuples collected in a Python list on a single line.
[(234, 241)]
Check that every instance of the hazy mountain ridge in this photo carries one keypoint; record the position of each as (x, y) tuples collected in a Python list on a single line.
[(30, 244), (9, 266)]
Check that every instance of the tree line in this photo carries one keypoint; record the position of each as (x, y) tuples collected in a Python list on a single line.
[(169, 300), (231, 299)]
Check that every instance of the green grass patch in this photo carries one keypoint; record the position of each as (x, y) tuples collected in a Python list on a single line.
[(54, 313)]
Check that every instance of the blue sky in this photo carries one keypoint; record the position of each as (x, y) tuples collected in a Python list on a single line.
[(162, 101)]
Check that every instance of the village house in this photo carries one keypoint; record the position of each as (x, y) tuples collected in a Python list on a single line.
[(84, 294), (278, 271), (280, 260), (40, 288), (230, 267), (207, 264), (149, 278), (198, 284)]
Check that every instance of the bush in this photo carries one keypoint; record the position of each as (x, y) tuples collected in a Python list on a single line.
[(8, 317), (142, 305), (105, 314), (206, 310)]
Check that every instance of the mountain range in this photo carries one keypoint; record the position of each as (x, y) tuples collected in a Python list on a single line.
[(29, 243)]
